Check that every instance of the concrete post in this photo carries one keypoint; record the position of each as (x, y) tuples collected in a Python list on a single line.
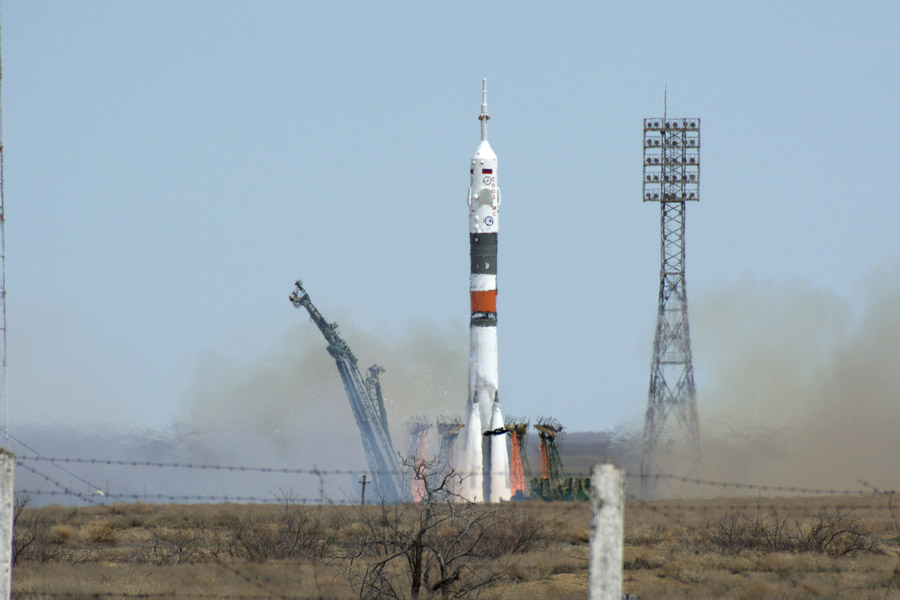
[(607, 533), (7, 459)]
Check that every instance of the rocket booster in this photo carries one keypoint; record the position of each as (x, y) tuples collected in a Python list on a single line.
[(500, 488), (484, 204), (473, 461)]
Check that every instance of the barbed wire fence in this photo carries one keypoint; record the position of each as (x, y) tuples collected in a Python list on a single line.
[(746, 497), (101, 496)]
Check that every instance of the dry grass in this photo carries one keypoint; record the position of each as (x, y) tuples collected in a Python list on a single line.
[(741, 549)]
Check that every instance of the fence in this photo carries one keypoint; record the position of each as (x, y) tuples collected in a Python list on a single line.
[(609, 499), (97, 494)]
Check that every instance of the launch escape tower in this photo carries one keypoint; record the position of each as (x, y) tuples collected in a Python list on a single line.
[(365, 400), (672, 178)]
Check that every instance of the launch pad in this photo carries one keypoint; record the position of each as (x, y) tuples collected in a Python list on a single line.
[(671, 176)]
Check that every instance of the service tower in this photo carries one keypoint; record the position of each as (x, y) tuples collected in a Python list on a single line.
[(485, 459), (672, 178)]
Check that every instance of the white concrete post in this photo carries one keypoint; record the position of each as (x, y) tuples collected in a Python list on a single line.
[(7, 459), (607, 533)]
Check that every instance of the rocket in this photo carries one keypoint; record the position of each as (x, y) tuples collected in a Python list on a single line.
[(485, 479)]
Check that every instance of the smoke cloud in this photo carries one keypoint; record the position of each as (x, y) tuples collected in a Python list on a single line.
[(294, 398), (803, 387), (287, 409), (796, 386)]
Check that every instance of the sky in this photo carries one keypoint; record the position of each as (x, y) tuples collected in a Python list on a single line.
[(171, 168)]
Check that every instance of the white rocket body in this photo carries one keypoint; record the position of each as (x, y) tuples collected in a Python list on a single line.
[(472, 462), (484, 204), (484, 195), (500, 488)]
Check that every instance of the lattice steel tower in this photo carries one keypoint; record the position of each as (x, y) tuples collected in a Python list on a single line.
[(672, 178)]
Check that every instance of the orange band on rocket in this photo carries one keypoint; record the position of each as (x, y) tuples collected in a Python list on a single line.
[(484, 302)]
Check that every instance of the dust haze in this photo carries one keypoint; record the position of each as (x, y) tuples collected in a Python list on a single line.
[(294, 400), (285, 409), (798, 386)]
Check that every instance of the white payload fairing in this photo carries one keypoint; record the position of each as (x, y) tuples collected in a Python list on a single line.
[(485, 433)]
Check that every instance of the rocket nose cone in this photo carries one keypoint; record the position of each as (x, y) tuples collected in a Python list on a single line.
[(484, 151)]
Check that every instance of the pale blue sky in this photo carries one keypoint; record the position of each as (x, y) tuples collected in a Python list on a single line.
[(171, 167)]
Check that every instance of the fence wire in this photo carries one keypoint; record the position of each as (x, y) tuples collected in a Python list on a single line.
[(322, 473), (866, 498)]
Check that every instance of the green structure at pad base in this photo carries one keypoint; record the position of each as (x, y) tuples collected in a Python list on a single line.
[(570, 488)]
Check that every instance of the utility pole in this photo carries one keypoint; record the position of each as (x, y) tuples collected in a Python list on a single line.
[(4, 400), (672, 178), (363, 482)]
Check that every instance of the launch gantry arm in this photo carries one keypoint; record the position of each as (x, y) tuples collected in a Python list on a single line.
[(299, 298), (366, 402)]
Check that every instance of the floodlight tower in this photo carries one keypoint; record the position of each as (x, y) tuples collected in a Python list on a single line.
[(672, 178)]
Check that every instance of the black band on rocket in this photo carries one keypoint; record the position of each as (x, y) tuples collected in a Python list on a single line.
[(484, 319), (483, 253)]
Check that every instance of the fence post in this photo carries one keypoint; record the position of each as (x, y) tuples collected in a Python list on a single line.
[(7, 460), (607, 533)]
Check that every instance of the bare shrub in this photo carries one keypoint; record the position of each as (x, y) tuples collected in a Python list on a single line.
[(832, 531), (511, 531), (172, 547), (31, 534), (296, 532), (836, 532), (442, 546), (34, 537), (24, 532)]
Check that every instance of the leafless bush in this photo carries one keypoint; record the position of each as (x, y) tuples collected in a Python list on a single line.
[(33, 538), (835, 532), (296, 532), (510, 531), (174, 547), (442, 546)]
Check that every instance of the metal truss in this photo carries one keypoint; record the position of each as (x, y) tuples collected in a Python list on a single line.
[(672, 178)]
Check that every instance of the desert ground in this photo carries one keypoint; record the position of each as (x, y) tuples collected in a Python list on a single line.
[(742, 548)]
